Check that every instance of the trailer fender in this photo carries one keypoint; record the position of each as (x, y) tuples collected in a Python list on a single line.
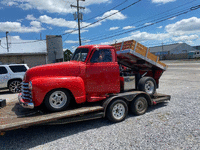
[(41, 86), (127, 97)]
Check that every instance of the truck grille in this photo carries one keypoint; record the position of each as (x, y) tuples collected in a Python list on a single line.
[(26, 92)]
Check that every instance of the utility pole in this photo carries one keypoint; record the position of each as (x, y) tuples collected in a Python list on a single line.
[(79, 16), (7, 40)]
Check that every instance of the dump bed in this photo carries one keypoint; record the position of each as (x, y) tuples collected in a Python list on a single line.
[(135, 55)]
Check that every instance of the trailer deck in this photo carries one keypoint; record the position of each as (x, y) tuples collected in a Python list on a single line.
[(14, 116)]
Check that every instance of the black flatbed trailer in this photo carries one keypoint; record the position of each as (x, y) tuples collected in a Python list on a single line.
[(13, 116)]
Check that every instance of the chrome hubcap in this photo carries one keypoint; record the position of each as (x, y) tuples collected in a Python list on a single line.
[(15, 86), (149, 87), (58, 99), (118, 111)]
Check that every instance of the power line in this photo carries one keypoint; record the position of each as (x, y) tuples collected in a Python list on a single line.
[(105, 17), (107, 10), (108, 37), (88, 24), (192, 8), (67, 2), (150, 17)]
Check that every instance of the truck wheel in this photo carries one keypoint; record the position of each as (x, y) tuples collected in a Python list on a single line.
[(139, 105), (15, 86), (57, 100), (117, 110), (148, 85)]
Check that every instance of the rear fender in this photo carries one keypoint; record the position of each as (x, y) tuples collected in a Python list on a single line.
[(41, 86)]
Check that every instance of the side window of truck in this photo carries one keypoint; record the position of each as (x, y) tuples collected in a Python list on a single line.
[(102, 55)]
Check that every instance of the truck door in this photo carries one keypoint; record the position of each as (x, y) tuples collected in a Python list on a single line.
[(102, 73)]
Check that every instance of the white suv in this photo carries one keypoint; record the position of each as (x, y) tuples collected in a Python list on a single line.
[(11, 76)]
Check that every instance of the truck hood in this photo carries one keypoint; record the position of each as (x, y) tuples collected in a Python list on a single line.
[(71, 68)]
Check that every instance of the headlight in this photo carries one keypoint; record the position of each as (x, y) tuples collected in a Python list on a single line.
[(30, 85)]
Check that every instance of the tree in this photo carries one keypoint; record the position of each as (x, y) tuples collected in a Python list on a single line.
[(67, 55)]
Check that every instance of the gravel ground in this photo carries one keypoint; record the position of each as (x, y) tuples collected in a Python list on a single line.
[(171, 126)]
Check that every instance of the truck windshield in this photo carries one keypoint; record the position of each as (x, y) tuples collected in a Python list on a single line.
[(80, 54)]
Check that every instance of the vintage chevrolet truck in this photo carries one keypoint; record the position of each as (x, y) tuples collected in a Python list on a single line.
[(101, 80), (94, 73)]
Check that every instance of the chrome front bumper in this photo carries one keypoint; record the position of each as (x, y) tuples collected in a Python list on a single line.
[(24, 104)]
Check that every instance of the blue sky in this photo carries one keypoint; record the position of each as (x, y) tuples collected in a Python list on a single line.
[(150, 22)]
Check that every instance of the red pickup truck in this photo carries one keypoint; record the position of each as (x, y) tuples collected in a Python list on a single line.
[(108, 80), (95, 73)]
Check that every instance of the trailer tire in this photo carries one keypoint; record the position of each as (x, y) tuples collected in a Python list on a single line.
[(57, 100), (117, 110), (148, 85), (139, 105)]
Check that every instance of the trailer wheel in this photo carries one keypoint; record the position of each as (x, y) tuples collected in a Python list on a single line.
[(117, 110), (57, 100), (139, 105), (148, 85)]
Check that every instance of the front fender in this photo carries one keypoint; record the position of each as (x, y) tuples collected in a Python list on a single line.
[(41, 86)]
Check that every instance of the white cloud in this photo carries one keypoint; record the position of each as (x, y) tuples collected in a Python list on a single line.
[(162, 1), (20, 20), (128, 27), (172, 18), (51, 6), (143, 36), (26, 6), (35, 24), (116, 15), (71, 42), (17, 27), (190, 25), (148, 23), (60, 22), (186, 30), (50, 28), (30, 17), (114, 28), (159, 27), (12, 3), (185, 38), (75, 32)]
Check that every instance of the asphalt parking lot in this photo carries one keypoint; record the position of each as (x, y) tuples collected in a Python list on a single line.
[(174, 125)]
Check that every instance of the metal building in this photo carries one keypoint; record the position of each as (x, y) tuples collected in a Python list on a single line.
[(172, 51)]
